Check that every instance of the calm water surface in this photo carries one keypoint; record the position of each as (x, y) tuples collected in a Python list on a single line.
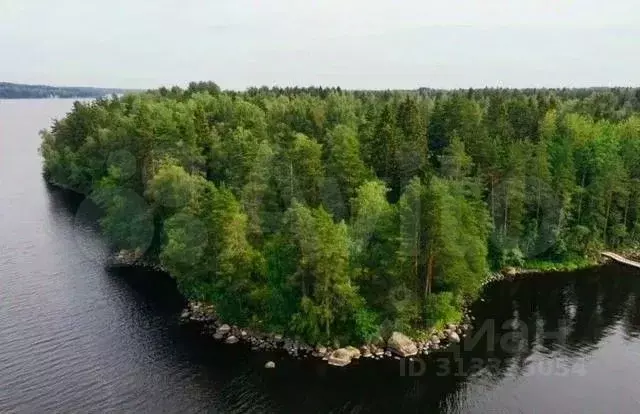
[(75, 338)]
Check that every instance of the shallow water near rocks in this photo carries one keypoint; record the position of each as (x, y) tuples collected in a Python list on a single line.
[(76, 338)]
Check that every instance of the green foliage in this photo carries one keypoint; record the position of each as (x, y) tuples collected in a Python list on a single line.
[(442, 308), (567, 264), (367, 325), (512, 257), (337, 216), (329, 299), (345, 161)]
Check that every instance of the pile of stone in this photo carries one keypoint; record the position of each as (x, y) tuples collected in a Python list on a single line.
[(132, 259), (200, 312), (397, 345), (123, 258), (495, 276), (343, 356)]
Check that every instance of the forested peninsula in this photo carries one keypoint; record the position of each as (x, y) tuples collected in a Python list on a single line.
[(21, 91), (337, 217)]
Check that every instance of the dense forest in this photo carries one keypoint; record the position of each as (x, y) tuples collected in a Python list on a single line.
[(334, 215), (20, 91)]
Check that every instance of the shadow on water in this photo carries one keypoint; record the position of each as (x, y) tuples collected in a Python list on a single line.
[(561, 317), (157, 287)]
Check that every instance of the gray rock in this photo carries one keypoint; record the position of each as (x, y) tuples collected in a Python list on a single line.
[(340, 357), (270, 364), (232, 340), (510, 271), (451, 326), (453, 337), (402, 345), (218, 336), (435, 340), (365, 352), (224, 329)]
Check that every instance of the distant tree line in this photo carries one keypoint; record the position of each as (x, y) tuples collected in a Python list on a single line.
[(20, 91), (339, 215)]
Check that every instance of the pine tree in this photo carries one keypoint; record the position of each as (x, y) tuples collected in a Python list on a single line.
[(345, 164)]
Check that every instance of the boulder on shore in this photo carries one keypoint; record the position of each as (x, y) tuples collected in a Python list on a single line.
[(378, 352), (355, 352), (340, 357), (270, 364), (510, 271), (224, 329), (365, 351), (402, 345), (319, 351), (453, 337), (232, 340)]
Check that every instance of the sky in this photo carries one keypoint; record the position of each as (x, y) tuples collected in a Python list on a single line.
[(370, 44)]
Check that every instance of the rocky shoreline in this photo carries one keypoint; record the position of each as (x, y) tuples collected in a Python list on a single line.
[(631, 254), (396, 346), (508, 273), (132, 259)]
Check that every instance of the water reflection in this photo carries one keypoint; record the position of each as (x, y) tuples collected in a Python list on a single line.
[(542, 327), (565, 314)]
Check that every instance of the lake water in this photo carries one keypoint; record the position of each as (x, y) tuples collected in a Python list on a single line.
[(75, 338)]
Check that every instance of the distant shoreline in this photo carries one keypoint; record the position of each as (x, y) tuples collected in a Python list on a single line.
[(24, 91), (49, 98)]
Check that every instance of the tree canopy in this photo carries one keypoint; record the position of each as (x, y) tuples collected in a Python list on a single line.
[(328, 214)]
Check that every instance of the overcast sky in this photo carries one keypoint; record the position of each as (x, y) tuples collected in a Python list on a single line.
[(351, 43)]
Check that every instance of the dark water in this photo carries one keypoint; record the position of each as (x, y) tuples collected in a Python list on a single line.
[(75, 338)]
